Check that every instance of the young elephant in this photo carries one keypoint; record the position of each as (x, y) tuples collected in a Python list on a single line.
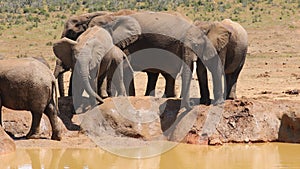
[(231, 42), (92, 57), (28, 84)]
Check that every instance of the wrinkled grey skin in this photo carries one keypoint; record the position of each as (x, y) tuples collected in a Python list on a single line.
[(157, 31), (27, 84), (231, 42), (91, 57), (146, 30)]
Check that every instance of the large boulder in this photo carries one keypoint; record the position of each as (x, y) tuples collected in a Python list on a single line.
[(7, 144), (148, 118)]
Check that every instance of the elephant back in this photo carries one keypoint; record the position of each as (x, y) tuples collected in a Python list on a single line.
[(95, 33), (162, 24)]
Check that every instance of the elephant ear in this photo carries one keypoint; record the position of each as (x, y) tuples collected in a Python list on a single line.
[(219, 35), (63, 50), (196, 40), (124, 30), (204, 26)]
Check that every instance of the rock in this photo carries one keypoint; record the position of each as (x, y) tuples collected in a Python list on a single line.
[(150, 119), (136, 117), (7, 144), (289, 130), (243, 121), (215, 141)]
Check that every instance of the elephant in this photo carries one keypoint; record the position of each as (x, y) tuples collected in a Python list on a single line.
[(155, 30), (27, 84), (42, 60), (231, 42), (79, 24), (91, 57)]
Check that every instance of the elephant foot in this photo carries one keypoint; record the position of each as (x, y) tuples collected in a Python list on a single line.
[(218, 102), (205, 101), (230, 97), (56, 137), (33, 136), (104, 94), (168, 96)]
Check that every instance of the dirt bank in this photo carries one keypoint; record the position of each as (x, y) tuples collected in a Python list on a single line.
[(244, 120)]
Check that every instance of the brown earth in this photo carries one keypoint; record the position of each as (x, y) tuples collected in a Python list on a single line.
[(271, 72)]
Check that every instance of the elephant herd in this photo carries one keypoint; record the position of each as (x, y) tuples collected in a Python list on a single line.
[(104, 49)]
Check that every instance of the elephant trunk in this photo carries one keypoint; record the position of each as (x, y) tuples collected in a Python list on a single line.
[(84, 72)]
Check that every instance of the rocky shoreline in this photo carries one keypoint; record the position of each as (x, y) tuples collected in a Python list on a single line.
[(237, 121)]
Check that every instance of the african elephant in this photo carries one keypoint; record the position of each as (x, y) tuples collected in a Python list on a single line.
[(27, 84), (92, 56), (231, 42), (77, 25), (137, 32)]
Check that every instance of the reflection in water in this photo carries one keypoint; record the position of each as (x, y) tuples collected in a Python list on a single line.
[(230, 156)]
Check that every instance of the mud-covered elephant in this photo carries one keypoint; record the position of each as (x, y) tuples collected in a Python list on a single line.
[(92, 56), (28, 84), (144, 33), (231, 42)]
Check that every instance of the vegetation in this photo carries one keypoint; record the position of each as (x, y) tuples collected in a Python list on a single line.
[(40, 22), (252, 11)]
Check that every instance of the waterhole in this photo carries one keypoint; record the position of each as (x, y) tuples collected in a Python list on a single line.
[(229, 156)]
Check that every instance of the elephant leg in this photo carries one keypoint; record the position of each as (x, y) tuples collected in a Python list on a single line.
[(115, 77), (128, 78), (0, 112), (231, 86), (70, 92), (231, 80), (151, 84), (35, 124), (203, 83), (61, 88), (214, 65), (51, 112), (102, 86), (170, 85), (132, 88), (186, 78)]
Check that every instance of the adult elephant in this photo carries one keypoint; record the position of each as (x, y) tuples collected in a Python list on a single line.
[(231, 42), (74, 26), (154, 30), (91, 57), (28, 84)]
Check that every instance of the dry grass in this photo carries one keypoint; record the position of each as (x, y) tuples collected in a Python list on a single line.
[(273, 27)]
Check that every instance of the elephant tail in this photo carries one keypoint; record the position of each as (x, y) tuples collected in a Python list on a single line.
[(125, 58)]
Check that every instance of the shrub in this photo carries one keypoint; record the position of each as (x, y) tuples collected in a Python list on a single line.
[(49, 44)]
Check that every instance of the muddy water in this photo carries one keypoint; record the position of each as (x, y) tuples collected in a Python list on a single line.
[(231, 156)]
